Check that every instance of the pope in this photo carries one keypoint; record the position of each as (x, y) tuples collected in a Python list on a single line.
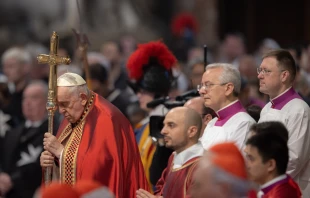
[(95, 141)]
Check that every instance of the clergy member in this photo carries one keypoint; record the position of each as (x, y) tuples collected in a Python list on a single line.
[(267, 159), (95, 141), (181, 131), (206, 115), (220, 87), (221, 173), (276, 76)]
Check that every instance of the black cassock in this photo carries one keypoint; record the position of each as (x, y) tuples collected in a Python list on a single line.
[(20, 158)]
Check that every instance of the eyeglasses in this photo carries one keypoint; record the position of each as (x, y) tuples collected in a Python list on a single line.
[(263, 71), (207, 87)]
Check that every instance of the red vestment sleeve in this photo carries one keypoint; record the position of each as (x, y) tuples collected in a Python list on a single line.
[(160, 184)]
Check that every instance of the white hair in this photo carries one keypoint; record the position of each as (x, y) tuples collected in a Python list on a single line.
[(20, 54), (79, 89), (230, 74), (239, 187)]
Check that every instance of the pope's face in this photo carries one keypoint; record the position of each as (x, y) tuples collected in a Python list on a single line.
[(70, 104)]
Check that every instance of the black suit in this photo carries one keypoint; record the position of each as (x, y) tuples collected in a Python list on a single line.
[(20, 158), (120, 99)]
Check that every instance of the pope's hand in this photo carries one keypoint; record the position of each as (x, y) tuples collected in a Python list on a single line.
[(46, 159), (52, 145), (143, 193)]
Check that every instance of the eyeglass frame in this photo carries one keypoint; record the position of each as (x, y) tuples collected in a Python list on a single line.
[(266, 71), (208, 87)]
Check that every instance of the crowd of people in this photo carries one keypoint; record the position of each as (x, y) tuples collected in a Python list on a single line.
[(242, 131)]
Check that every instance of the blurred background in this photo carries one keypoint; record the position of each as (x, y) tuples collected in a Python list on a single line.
[(33, 20), (236, 32)]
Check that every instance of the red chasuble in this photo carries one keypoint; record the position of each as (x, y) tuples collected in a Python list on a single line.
[(174, 183), (101, 146), (285, 188)]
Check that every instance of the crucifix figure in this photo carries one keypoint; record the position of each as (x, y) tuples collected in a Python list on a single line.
[(53, 60)]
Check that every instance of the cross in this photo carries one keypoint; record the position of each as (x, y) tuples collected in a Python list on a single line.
[(53, 60)]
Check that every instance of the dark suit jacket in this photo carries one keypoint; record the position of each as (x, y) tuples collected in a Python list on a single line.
[(120, 99), (20, 158)]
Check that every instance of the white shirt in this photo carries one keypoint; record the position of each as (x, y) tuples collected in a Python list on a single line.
[(294, 113), (233, 124), (34, 124), (194, 151)]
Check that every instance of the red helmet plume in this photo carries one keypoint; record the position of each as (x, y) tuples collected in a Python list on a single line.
[(141, 58)]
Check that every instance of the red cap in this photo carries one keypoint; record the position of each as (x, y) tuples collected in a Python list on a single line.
[(228, 157)]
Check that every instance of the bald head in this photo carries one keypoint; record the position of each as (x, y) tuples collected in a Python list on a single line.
[(177, 111), (181, 128), (196, 104), (193, 119), (189, 117)]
